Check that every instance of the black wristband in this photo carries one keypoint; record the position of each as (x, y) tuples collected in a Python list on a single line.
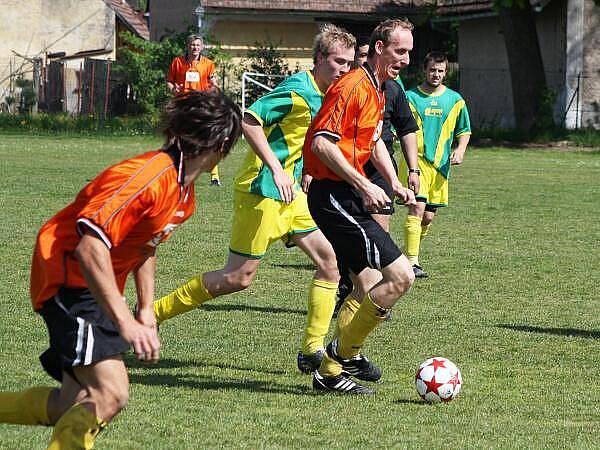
[(417, 171)]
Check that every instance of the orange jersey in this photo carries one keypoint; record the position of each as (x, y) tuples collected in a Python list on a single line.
[(194, 76), (352, 115), (132, 206)]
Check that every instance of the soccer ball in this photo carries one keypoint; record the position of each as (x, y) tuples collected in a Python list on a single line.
[(438, 380)]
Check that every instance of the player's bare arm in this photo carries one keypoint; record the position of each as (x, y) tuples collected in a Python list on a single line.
[(410, 151), (374, 198), (255, 135), (95, 263), (305, 182), (382, 161), (459, 152), (143, 276)]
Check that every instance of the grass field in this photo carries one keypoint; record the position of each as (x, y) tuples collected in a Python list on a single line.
[(513, 299)]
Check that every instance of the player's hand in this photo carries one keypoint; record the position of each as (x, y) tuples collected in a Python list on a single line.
[(457, 157), (146, 316), (285, 185), (143, 339), (374, 198), (413, 182), (305, 183), (407, 196)]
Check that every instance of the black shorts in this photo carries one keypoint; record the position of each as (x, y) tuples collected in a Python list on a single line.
[(376, 178), (357, 239), (80, 332)]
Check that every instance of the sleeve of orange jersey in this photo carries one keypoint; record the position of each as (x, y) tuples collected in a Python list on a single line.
[(117, 209), (337, 113)]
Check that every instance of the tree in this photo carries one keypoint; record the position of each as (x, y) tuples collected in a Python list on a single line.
[(143, 65), (528, 79), (265, 58)]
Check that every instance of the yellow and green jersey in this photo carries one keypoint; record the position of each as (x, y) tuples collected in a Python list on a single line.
[(440, 118), (285, 114)]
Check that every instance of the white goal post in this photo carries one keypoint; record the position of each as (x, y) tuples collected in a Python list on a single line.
[(252, 78)]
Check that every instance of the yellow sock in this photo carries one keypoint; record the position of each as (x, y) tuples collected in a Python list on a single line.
[(29, 407), (353, 335), (346, 313), (76, 429), (321, 302), (412, 238), (425, 230), (329, 367), (214, 173), (183, 299)]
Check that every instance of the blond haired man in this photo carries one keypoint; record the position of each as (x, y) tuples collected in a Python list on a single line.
[(269, 204)]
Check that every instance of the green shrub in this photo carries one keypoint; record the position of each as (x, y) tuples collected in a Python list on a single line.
[(64, 123)]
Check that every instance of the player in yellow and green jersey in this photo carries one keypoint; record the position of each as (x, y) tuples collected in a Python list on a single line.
[(441, 115), (270, 201)]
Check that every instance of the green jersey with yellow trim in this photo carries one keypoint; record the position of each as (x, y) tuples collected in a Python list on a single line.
[(440, 117), (285, 114)]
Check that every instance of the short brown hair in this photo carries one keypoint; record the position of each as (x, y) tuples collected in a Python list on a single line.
[(328, 36), (384, 30), (201, 121), (435, 56)]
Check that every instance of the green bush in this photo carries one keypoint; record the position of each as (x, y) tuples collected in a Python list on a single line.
[(64, 123)]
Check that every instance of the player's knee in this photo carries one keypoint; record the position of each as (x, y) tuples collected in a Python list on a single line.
[(402, 278), (327, 269), (239, 280), (112, 400)]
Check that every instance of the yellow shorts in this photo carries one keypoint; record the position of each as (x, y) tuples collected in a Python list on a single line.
[(433, 186), (260, 221)]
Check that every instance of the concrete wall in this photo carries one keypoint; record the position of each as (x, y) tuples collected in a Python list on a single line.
[(484, 73), (34, 28), (590, 88), (293, 39)]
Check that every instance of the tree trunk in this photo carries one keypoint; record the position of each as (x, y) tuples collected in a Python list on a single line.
[(527, 74)]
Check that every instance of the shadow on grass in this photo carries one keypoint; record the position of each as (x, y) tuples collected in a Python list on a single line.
[(571, 332), (171, 363), (193, 381), (300, 266), (242, 307), (406, 401)]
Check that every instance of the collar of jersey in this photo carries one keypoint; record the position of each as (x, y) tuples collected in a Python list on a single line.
[(432, 94), (367, 68), (311, 77)]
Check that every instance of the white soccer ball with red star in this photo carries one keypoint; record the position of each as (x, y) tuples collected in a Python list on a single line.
[(438, 380)]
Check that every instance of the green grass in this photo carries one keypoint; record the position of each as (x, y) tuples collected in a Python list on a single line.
[(513, 299)]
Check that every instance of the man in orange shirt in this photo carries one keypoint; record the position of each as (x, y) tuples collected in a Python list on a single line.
[(194, 72), (83, 256), (344, 135)]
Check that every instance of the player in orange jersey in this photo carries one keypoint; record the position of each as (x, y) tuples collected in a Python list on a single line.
[(83, 256), (344, 135), (194, 72)]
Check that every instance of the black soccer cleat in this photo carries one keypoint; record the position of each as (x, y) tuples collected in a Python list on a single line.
[(310, 363), (340, 384), (419, 272), (358, 366), (215, 182)]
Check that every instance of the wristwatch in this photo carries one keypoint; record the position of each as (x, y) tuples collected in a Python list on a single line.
[(417, 171)]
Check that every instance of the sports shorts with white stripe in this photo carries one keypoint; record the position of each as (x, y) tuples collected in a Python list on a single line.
[(80, 333), (357, 239)]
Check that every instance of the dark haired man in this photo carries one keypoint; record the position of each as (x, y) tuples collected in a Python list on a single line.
[(442, 115), (83, 256)]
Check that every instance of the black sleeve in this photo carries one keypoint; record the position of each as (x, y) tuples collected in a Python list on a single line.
[(401, 115)]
